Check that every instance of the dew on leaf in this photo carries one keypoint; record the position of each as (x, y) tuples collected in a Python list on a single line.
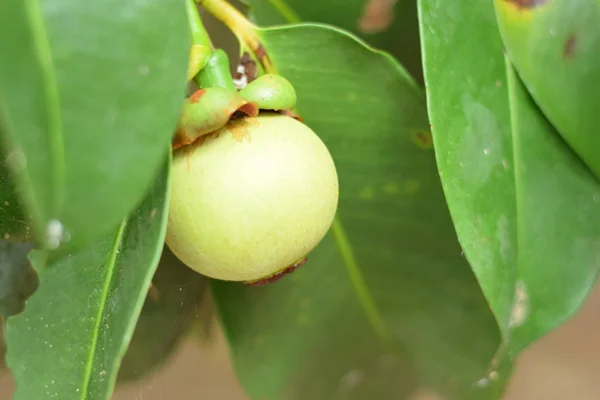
[(54, 233)]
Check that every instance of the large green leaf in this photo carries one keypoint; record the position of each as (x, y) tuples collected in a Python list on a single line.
[(169, 312), (386, 302), (526, 210), (555, 46), (75, 329), (391, 25), (88, 104)]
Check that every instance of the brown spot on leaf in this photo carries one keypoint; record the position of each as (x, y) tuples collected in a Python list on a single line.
[(278, 275), (570, 45), (424, 139), (526, 4), (377, 16)]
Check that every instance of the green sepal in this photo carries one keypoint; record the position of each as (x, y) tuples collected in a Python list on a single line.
[(216, 73), (270, 92), (208, 110)]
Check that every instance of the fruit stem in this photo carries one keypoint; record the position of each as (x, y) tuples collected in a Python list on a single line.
[(216, 73), (243, 29)]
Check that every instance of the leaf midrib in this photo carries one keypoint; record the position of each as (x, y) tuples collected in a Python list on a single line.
[(110, 268), (52, 99), (341, 239)]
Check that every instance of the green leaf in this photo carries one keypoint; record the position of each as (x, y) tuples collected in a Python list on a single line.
[(18, 280), (88, 104), (526, 210), (391, 25), (75, 329), (386, 302), (555, 46), (169, 312)]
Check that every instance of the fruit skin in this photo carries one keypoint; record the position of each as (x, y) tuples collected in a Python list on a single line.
[(252, 198)]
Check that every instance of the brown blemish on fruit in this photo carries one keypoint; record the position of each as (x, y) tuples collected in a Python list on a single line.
[(569, 48), (377, 16), (291, 114), (278, 275), (187, 136), (194, 98), (526, 4), (423, 139), (240, 127)]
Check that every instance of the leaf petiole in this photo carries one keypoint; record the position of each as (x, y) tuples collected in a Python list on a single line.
[(243, 29)]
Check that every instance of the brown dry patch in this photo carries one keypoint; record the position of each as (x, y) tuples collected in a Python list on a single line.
[(240, 128), (278, 275), (526, 4), (424, 139), (179, 140), (377, 16), (570, 46), (262, 56)]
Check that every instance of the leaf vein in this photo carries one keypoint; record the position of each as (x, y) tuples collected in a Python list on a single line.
[(110, 268)]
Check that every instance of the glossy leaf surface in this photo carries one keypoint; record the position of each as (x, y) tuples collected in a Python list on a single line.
[(526, 209), (80, 321), (390, 25), (88, 104), (386, 302), (555, 47)]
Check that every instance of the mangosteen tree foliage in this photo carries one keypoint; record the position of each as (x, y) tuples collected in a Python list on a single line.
[(372, 198)]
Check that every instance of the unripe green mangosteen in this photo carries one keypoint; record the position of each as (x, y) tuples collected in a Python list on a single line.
[(252, 198)]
